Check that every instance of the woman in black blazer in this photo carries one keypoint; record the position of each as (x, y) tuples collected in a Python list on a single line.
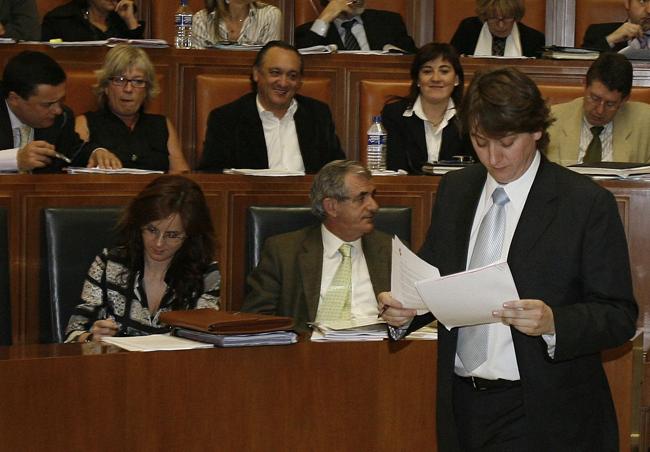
[(422, 127)]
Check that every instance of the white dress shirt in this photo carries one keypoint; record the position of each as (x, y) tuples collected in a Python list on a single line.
[(605, 139), (320, 27), (8, 156), (364, 301), (501, 361), (282, 147), (432, 134)]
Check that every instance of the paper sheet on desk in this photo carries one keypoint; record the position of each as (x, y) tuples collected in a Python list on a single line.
[(406, 269), (263, 172), (154, 342), (468, 298)]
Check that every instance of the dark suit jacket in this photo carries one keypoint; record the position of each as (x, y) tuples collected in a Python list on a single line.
[(382, 27), (67, 22), (288, 277), (235, 137), (61, 135), (468, 31), (20, 19), (569, 250), (596, 34), (407, 147)]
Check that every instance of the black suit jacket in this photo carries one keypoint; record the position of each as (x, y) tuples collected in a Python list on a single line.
[(67, 22), (382, 27), (61, 134), (407, 147), (596, 34), (235, 137), (569, 250), (468, 31)]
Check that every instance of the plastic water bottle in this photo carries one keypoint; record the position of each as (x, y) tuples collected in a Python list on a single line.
[(377, 141), (183, 19)]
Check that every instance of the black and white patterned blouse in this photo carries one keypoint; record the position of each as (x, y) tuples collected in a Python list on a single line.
[(105, 294)]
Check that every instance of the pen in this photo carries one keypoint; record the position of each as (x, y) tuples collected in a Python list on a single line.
[(383, 310), (62, 157)]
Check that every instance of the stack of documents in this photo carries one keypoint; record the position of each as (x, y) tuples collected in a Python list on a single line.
[(313, 50), (366, 329), (569, 53), (460, 299), (239, 340), (97, 170), (154, 342), (263, 172), (150, 43), (612, 169)]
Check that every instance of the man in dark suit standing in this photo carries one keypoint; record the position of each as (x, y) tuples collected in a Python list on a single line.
[(532, 380), (615, 36), (297, 270), (272, 127), (351, 26), (36, 129)]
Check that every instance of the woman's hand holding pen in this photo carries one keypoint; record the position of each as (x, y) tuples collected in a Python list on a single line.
[(392, 311), (105, 327)]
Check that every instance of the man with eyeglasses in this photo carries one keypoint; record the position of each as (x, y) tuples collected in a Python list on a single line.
[(36, 129), (615, 36), (300, 272), (602, 125), (497, 31)]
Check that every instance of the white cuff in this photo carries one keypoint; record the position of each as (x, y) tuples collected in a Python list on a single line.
[(320, 27), (8, 159)]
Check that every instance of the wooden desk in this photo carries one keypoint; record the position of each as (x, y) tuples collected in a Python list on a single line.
[(376, 396)]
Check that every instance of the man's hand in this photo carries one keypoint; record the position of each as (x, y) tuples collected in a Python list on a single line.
[(392, 311), (334, 8), (126, 10), (104, 158), (36, 154), (531, 317), (625, 32)]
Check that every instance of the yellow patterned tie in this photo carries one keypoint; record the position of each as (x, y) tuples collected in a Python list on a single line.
[(25, 132), (336, 304)]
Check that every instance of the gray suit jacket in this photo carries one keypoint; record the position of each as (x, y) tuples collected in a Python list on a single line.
[(631, 140), (288, 277)]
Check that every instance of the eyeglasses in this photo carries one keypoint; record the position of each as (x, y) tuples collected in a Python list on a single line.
[(505, 20), (168, 236), (122, 81), (597, 101)]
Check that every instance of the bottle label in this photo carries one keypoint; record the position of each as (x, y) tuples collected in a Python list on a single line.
[(187, 20), (376, 140)]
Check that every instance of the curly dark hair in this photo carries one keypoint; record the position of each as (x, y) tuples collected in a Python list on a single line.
[(161, 198)]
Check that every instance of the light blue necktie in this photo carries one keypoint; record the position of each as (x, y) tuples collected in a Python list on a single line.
[(473, 340)]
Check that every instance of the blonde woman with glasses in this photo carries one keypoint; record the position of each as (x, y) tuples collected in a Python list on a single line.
[(130, 137), (497, 30)]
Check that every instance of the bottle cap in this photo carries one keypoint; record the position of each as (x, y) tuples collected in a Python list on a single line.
[(376, 118)]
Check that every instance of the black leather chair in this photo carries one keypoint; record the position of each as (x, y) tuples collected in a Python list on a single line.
[(73, 237), (265, 221), (5, 293)]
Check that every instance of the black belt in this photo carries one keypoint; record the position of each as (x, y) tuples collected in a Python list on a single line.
[(481, 384)]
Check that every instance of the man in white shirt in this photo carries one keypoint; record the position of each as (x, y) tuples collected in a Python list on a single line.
[(349, 25), (532, 380), (603, 125), (36, 129), (297, 269), (272, 127)]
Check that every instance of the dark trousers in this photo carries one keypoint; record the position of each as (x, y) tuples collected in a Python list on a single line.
[(490, 420)]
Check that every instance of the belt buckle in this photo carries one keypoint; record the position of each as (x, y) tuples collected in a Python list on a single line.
[(476, 386)]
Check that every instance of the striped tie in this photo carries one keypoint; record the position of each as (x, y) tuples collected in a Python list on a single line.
[(473, 340), (350, 41)]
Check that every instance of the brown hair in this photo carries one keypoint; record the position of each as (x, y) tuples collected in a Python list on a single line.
[(163, 197), (502, 101), (486, 9)]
